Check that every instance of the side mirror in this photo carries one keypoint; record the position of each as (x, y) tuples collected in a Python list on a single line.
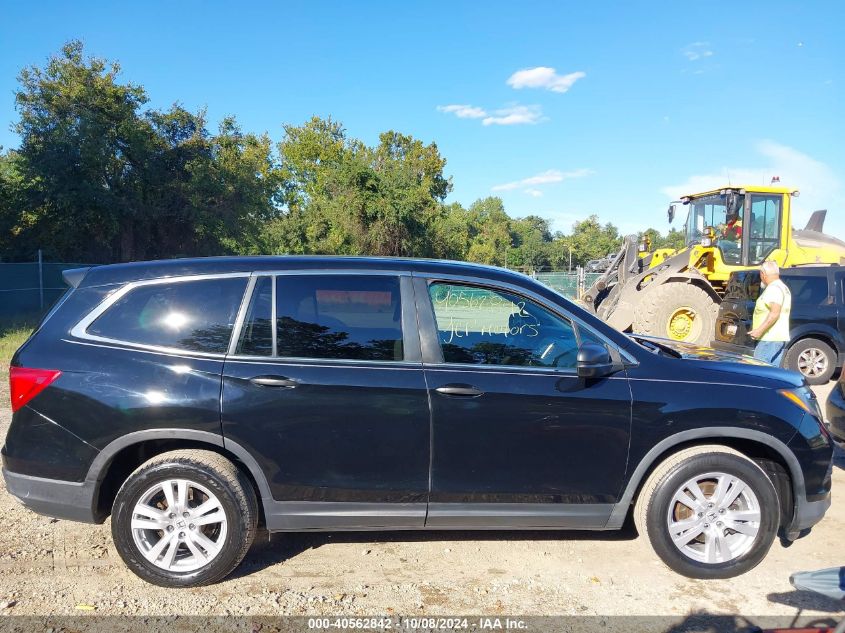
[(593, 361), (671, 213)]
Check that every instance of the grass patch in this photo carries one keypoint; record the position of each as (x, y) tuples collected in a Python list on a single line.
[(13, 332)]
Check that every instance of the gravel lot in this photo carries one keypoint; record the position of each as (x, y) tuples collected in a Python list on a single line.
[(50, 567)]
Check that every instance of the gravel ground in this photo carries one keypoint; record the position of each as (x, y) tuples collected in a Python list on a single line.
[(51, 567)]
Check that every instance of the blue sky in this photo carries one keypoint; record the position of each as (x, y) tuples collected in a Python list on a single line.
[(645, 100)]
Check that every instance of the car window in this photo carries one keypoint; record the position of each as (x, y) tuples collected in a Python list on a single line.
[(482, 326), (195, 315), (354, 317), (807, 290), (257, 332)]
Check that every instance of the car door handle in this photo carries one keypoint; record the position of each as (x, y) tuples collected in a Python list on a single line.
[(467, 391), (274, 381)]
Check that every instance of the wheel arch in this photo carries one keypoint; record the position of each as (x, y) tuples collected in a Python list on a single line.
[(750, 442), (123, 455), (823, 334)]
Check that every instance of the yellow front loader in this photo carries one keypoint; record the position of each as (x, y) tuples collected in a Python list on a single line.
[(676, 294)]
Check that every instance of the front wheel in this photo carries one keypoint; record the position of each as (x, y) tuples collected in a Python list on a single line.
[(709, 512), (184, 518)]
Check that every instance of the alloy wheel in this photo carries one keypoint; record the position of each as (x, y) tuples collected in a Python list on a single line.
[(714, 518), (812, 362), (179, 525)]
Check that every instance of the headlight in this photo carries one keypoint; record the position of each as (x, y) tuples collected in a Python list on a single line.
[(804, 398), (706, 241)]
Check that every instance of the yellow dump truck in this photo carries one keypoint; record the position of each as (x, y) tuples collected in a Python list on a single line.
[(676, 294)]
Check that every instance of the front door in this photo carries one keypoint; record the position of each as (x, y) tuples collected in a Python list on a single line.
[(518, 439), (324, 386)]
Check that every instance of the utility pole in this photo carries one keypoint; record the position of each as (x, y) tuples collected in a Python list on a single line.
[(40, 280)]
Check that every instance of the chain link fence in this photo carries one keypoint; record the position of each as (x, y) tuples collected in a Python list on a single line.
[(30, 288), (568, 284)]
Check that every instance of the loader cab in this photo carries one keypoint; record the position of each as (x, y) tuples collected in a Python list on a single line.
[(744, 226)]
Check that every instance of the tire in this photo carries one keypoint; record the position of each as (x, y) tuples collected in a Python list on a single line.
[(814, 359), (700, 556), (208, 544), (655, 309)]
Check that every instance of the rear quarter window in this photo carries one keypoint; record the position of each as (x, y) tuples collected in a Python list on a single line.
[(808, 289), (196, 315)]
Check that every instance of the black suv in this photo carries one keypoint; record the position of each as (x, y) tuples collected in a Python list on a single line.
[(817, 321), (190, 399)]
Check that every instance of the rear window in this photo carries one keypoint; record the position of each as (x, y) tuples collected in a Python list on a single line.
[(196, 315), (807, 290)]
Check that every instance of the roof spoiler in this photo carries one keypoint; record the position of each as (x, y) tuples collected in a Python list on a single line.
[(816, 221), (73, 276)]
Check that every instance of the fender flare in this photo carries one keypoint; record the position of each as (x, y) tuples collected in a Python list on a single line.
[(98, 468), (713, 433)]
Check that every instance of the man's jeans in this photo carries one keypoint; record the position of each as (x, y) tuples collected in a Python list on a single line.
[(770, 351)]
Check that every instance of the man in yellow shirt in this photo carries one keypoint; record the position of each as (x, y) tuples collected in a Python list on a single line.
[(770, 324)]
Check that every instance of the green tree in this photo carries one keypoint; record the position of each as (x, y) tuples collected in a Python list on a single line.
[(344, 197), (81, 140), (11, 203), (590, 240), (490, 236), (674, 239), (411, 191), (531, 237), (451, 234)]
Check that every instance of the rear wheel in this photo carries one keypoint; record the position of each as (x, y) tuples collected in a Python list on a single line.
[(813, 358), (184, 518), (677, 311), (709, 512)]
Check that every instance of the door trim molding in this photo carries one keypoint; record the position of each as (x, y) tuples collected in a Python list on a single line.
[(297, 516), (516, 516), (294, 516)]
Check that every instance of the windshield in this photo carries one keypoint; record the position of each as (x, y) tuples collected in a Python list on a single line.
[(724, 214)]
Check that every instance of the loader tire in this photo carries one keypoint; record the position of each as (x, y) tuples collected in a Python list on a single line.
[(677, 311)]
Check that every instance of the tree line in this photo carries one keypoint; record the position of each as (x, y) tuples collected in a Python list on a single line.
[(99, 177)]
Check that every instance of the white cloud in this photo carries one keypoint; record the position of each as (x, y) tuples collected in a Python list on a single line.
[(819, 185), (515, 115), (534, 193), (697, 50), (463, 111), (550, 176), (543, 77)]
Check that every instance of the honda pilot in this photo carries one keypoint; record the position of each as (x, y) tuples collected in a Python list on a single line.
[(191, 400)]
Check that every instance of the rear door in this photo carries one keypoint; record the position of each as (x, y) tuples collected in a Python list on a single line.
[(814, 308), (324, 387)]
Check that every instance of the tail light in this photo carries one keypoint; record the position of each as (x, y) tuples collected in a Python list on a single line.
[(26, 383)]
